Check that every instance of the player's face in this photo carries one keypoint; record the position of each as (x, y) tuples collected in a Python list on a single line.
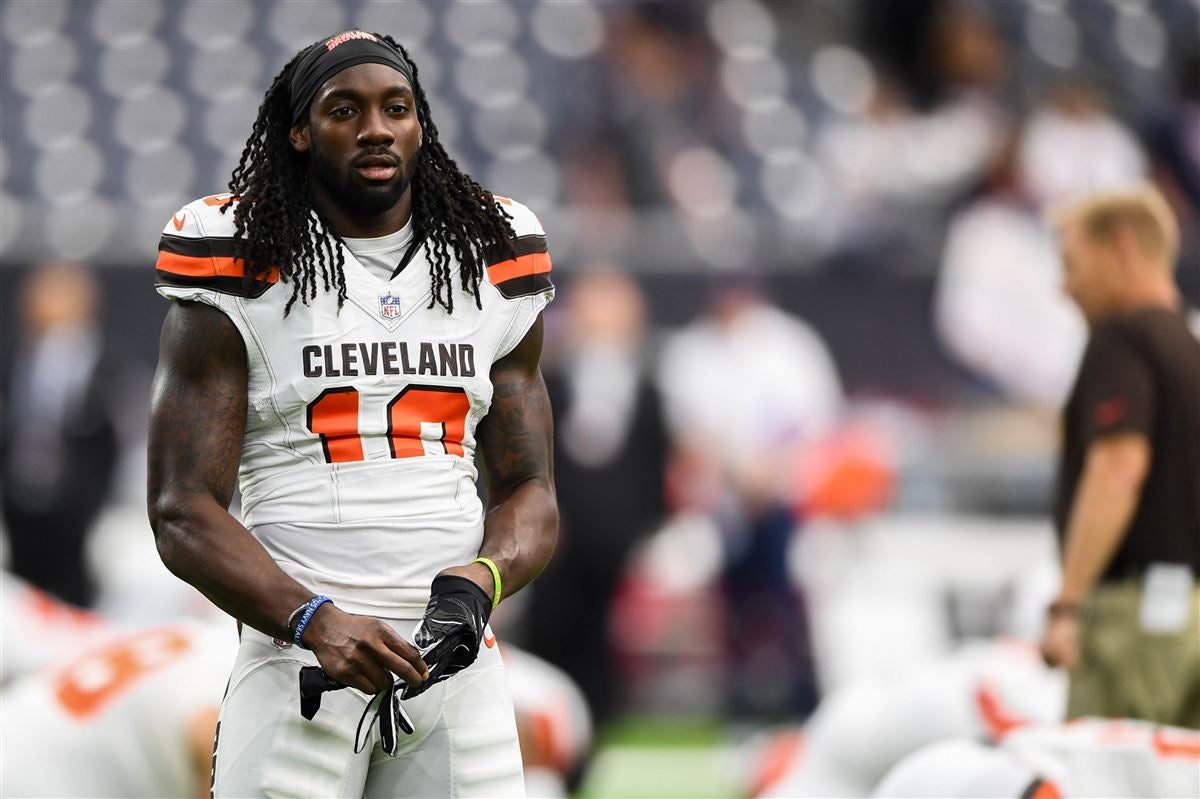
[(1087, 273), (362, 137)]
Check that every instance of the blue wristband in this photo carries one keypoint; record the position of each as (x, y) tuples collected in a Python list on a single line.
[(310, 608)]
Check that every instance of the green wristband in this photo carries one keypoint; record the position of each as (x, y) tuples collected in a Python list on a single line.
[(495, 576)]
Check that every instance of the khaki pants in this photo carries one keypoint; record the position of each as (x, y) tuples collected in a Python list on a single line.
[(1127, 672)]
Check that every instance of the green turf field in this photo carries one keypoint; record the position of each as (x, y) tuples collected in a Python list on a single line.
[(656, 758)]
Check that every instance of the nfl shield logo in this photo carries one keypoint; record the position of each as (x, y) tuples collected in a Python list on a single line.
[(389, 306)]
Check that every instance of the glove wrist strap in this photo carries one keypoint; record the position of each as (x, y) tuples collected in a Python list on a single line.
[(495, 577)]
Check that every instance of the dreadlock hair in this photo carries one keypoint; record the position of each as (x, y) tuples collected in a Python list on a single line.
[(278, 228)]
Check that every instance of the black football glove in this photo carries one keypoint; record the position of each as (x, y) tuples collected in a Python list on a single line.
[(314, 682), (451, 630)]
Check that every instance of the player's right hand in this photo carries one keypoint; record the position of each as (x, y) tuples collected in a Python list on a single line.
[(452, 628), (362, 651)]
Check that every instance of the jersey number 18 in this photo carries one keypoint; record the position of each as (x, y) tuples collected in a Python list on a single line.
[(420, 420)]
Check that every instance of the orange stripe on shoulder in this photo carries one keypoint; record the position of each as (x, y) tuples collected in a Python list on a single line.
[(533, 264), (193, 266)]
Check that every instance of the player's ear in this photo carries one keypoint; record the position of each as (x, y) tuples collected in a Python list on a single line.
[(1125, 246), (298, 136)]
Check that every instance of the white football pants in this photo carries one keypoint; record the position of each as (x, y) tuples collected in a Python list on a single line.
[(465, 744)]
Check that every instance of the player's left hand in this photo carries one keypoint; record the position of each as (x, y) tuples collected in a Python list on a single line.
[(449, 634), (1060, 641)]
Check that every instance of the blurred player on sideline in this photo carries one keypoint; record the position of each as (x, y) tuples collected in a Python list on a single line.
[(553, 723), (36, 628), (861, 730), (350, 324), (1128, 506), (131, 717), (1085, 758), (136, 710)]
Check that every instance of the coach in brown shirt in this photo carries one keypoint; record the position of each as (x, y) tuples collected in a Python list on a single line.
[(1126, 622)]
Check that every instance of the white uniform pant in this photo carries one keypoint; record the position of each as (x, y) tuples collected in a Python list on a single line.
[(465, 742)]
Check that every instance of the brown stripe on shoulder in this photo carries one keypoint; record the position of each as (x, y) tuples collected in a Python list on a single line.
[(525, 286), (523, 245), (222, 284), (206, 263), (215, 247)]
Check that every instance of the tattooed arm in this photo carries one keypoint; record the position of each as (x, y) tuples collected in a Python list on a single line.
[(521, 526), (197, 420)]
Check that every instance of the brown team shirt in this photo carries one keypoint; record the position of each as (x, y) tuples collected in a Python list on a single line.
[(1141, 373)]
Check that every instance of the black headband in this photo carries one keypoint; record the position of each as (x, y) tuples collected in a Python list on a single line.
[(325, 59)]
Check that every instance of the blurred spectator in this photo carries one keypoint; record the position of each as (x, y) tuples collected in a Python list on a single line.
[(889, 160), (1173, 139), (746, 388), (1072, 146), (59, 440), (999, 305), (932, 123), (595, 185), (659, 74), (610, 446), (1176, 139), (933, 48)]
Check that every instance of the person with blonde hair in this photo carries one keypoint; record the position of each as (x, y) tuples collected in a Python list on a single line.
[(1127, 510)]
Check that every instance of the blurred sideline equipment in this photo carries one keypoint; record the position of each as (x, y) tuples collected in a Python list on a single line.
[(1086, 758), (1128, 506), (132, 717)]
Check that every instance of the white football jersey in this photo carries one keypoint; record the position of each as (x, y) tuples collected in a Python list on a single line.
[(36, 628), (861, 730), (1083, 759), (115, 720), (551, 710), (357, 468), (1112, 757)]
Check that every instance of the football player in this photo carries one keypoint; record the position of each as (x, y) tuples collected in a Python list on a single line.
[(36, 628), (983, 691), (350, 324), (135, 711), (132, 716), (553, 723), (1118, 758)]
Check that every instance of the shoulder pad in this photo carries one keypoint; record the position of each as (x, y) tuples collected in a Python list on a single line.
[(196, 250), (527, 270), (524, 222)]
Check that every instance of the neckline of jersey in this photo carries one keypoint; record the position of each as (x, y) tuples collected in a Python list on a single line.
[(392, 241)]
